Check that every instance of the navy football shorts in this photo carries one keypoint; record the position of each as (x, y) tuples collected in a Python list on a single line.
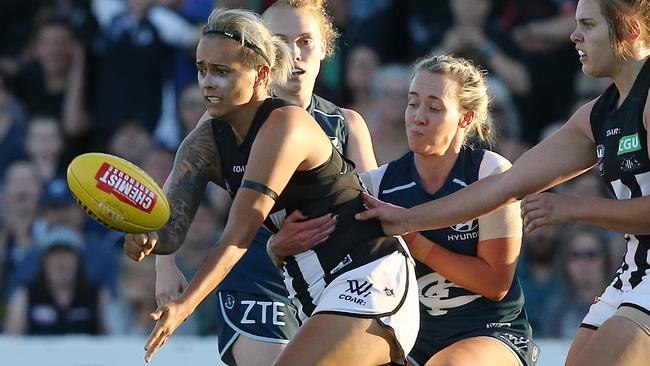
[(265, 318)]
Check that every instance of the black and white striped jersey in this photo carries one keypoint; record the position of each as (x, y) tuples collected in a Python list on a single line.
[(255, 273), (331, 188), (622, 153), (314, 192)]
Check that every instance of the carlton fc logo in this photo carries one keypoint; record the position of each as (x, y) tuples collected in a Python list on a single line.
[(466, 226)]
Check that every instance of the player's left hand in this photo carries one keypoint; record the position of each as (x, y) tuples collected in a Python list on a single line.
[(544, 209), (169, 317), (298, 234)]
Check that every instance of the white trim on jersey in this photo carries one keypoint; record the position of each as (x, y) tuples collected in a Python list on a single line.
[(398, 188), (328, 115), (459, 182), (372, 179)]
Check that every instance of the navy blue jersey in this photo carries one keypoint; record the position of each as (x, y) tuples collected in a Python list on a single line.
[(331, 119), (448, 311), (622, 153)]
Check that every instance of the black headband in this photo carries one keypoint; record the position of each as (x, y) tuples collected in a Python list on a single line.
[(212, 29)]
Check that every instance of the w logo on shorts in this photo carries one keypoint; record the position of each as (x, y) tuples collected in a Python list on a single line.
[(359, 288)]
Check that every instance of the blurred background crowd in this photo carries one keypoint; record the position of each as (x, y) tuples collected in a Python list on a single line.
[(118, 76)]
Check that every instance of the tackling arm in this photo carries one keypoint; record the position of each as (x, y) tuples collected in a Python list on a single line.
[(562, 156)]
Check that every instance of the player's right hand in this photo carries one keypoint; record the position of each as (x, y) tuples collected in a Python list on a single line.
[(138, 246), (170, 283), (168, 317)]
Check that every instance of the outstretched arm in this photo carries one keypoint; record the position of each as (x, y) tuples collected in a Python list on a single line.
[(629, 215), (296, 146), (562, 156)]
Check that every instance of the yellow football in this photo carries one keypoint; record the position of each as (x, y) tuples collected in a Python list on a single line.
[(117, 194)]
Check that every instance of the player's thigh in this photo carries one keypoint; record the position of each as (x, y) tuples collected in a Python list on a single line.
[(579, 342), (475, 351), (250, 352), (328, 339), (618, 342)]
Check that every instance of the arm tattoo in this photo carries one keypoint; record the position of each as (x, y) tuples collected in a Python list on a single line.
[(197, 163)]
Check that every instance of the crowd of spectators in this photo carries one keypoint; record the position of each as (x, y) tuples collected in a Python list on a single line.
[(118, 76)]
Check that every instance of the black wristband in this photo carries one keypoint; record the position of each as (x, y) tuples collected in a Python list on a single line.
[(260, 188)]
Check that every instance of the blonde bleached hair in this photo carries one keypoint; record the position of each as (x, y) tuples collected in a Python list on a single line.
[(317, 8), (471, 90), (259, 45), (621, 16)]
